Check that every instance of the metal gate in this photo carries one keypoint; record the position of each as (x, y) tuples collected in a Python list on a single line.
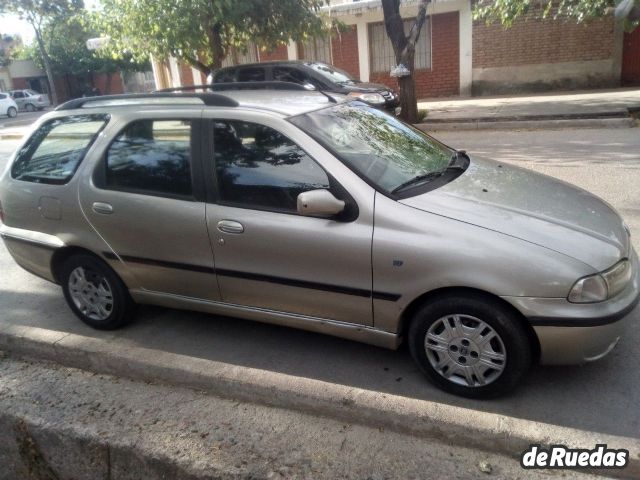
[(631, 58)]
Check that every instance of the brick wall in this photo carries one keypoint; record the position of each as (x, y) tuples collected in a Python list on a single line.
[(534, 41), (19, 83), (443, 79), (186, 77), (344, 49), (278, 53), (108, 84)]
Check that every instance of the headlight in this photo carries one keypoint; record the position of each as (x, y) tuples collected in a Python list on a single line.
[(601, 286), (617, 277), (589, 290), (372, 98)]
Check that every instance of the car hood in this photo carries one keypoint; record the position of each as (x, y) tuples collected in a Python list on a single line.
[(365, 87), (532, 207)]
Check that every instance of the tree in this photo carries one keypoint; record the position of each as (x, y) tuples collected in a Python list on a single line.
[(404, 48), (66, 45), (507, 11), (204, 32), (40, 13)]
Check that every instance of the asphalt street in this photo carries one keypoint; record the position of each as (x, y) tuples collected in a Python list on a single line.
[(21, 120), (600, 397)]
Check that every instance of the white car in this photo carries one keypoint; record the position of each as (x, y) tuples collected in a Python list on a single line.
[(30, 100), (8, 106)]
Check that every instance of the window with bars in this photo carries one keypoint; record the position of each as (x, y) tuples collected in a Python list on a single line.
[(382, 57), (317, 49), (240, 57)]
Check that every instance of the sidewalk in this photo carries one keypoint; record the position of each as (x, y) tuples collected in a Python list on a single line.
[(608, 108), (428, 421)]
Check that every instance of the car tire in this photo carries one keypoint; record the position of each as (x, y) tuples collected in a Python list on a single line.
[(12, 112), (95, 293), (470, 345), (30, 107)]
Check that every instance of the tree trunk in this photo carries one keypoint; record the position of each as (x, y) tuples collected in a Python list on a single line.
[(47, 67), (404, 48), (408, 103)]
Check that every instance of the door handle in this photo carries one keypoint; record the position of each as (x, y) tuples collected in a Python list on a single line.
[(102, 208), (229, 226)]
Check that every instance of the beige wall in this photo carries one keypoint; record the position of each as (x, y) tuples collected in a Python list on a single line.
[(24, 68)]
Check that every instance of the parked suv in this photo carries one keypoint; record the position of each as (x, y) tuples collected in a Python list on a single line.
[(30, 100), (293, 208), (317, 75)]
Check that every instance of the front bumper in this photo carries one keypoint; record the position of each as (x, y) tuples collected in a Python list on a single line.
[(572, 333)]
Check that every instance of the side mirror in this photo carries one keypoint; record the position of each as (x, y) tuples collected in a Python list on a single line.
[(319, 202), (309, 86)]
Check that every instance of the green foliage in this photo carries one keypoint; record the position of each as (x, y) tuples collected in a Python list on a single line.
[(203, 32), (65, 42), (507, 11), (38, 12)]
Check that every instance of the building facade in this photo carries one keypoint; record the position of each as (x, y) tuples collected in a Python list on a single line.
[(457, 56)]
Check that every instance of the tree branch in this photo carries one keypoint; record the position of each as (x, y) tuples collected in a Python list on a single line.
[(414, 33), (194, 62)]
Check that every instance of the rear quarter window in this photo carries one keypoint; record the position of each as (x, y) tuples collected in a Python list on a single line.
[(54, 151)]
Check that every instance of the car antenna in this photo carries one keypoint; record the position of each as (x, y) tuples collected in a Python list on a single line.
[(331, 99)]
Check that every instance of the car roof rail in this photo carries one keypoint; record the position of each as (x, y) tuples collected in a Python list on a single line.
[(224, 86), (160, 98)]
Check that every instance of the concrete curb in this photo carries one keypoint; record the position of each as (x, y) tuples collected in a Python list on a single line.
[(487, 431), (11, 136), (528, 124)]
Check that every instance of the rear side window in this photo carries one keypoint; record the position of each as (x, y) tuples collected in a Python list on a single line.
[(252, 74), (52, 154), (151, 156), (2, 96)]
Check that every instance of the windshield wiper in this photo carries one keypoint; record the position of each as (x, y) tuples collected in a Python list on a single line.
[(425, 177)]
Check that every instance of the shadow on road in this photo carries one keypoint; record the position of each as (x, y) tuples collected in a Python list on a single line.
[(600, 397)]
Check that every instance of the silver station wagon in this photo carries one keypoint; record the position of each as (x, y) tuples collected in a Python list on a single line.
[(311, 211)]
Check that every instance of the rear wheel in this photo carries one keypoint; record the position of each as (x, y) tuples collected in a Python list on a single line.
[(470, 345), (12, 112), (95, 293)]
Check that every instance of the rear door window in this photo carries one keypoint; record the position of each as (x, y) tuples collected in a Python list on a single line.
[(52, 154), (251, 74), (152, 157)]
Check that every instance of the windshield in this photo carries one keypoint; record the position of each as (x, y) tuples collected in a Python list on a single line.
[(379, 147), (332, 73)]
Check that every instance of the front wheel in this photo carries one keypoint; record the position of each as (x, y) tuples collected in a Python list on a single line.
[(95, 293), (470, 346), (12, 112), (29, 107)]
